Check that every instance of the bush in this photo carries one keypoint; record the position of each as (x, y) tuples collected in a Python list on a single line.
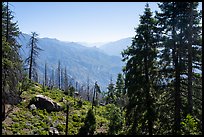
[(43, 132), (89, 124), (15, 119), (116, 121), (66, 92), (75, 118), (15, 125), (190, 126), (79, 103), (26, 83), (60, 127)]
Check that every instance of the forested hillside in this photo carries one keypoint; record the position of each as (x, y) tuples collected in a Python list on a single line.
[(158, 92), (81, 62)]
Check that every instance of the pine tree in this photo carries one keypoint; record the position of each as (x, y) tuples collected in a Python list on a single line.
[(65, 80), (12, 72), (120, 91), (58, 74), (116, 121), (176, 22), (34, 52), (52, 79), (96, 90), (193, 41), (88, 96), (62, 79), (45, 75), (110, 93), (141, 68), (89, 124)]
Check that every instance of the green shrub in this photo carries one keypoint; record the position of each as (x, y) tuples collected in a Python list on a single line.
[(15, 119), (116, 121), (60, 127), (43, 132), (89, 124), (22, 132), (66, 92), (41, 115), (79, 103), (75, 118), (15, 125), (43, 124), (26, 83), (190, 126)]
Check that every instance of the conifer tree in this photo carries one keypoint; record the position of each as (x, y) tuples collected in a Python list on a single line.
[(89, 124), (58, 74), (110, 94), (176, 24), (52, 79), (120, 90), (140, 76), (45, 74), (62, 79), (115, 121), (88, 94), (34, 52), (11, 61), (65, 80)]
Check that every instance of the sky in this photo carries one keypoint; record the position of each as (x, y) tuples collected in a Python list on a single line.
[(80, 21)]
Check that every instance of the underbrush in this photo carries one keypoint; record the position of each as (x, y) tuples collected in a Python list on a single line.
[(37, 122)]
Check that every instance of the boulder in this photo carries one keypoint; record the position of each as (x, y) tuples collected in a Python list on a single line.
[(53, 131), (43, 102)]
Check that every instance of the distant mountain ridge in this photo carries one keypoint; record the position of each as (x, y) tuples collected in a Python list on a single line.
[(116, 47), (81, 62)]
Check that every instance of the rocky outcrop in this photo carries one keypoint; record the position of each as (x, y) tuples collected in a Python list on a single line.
[(43, 102)]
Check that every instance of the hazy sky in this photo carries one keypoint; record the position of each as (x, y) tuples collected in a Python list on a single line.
[(80, 21)]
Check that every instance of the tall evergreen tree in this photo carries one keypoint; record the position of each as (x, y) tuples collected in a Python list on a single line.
[(110, 98), (62, 79), (116, 121), (52, 79), (140, 69), (119, 87), (11, 61), (176, 24), (58, 74), (89, 124), (65, 80), (96, 90), (88, 86), (45, 75), (34, 52), (192, 40), (120, 91)]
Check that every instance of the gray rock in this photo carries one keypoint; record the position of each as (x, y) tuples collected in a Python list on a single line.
[(43, 102), (53, 131), (32, 107)]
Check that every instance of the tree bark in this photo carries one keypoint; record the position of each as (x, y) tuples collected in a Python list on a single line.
[(31, 60), (190, 102), (177, 117)]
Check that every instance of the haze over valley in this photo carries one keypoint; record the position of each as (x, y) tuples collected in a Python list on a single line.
[(98, 63)]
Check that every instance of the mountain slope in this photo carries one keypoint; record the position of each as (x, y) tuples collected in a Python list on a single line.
[(22, 120), (79, 60), (115, 48)]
